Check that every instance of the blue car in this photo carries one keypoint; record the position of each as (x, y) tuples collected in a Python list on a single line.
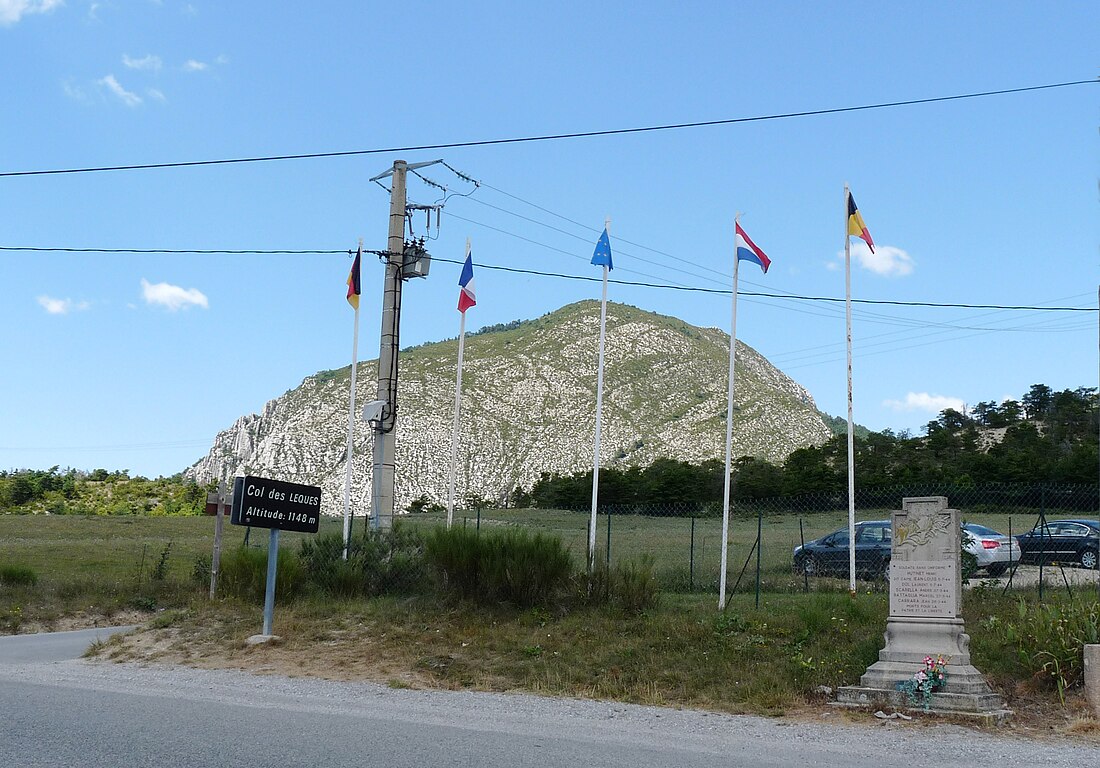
[(829, 554), (1062, 541)]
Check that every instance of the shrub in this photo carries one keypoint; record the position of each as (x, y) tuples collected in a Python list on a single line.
[(160, 570), (378, 562), (243, 574), (200, 570), (634, 585), (512, 566), (630, 585), (18, 576), (1049, 639), (454, 555)]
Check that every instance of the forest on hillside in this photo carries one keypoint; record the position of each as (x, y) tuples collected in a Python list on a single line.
[(98, 492), (1044, 437)]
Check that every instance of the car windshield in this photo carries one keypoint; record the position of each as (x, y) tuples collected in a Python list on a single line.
[(980, 530)]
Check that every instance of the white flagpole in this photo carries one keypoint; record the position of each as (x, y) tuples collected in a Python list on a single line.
[(351, 428), (851, 440), (729, 426), (458, 409), (599, 420)]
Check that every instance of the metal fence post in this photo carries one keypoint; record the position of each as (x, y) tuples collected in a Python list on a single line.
[(691, 556), (759, 546), (608, 560), (802, 541), (1042, 537)]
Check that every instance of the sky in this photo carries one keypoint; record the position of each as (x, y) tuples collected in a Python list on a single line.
[(136, 361)]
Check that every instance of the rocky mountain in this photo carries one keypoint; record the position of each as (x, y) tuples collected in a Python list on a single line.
[(529, 392)]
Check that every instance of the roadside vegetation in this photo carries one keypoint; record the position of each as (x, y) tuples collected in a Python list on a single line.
[(424, 607)]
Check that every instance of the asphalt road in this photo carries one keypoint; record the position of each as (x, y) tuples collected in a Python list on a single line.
[(98, 714), (47, 647)]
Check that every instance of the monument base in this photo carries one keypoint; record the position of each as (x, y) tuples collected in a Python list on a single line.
[(988, 707), (908, 641)]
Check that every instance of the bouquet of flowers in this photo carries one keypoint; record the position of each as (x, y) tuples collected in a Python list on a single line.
[(920, 687)]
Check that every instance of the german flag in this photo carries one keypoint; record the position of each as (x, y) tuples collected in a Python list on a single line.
[(856, 227), (355, 287)]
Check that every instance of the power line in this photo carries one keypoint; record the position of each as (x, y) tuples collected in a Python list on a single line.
[(618, 238), (199, 251), (562, 276), (552, 137), (761, 294), (586, 239)]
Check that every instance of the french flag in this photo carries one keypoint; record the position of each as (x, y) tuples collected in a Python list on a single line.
[(466, 297), (746, 249)]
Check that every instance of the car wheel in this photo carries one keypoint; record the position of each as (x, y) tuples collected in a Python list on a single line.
[(810, 566), (1088, 559), (996, 569)]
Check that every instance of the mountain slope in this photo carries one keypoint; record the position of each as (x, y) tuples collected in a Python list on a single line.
[(529, 407)]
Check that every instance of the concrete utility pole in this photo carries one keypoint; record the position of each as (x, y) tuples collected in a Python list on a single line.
[(385, 428)]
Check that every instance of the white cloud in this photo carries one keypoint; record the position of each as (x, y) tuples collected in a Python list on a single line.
[(222, 60), (150, 62), (922, 401), (74, 92), (191, 65), (127, 98), (172, 297), (12, 11), (156, 93), (887, 260), (61, 306)]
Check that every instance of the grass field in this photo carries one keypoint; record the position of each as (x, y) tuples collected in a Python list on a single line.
[(115, 551)]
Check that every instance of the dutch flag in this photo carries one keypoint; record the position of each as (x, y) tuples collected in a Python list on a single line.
[(746, 249)]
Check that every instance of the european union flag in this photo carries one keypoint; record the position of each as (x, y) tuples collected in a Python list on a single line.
[(602, 255)]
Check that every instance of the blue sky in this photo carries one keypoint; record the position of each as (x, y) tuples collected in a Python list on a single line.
[(136, 361)]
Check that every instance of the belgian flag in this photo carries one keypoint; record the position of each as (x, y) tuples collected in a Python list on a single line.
[(856, 227), (354, 286)]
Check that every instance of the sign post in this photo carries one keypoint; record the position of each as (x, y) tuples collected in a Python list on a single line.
[(272, 567), (216, 504), (279, 506)]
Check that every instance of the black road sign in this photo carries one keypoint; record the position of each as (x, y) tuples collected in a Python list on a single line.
[(264, 503)]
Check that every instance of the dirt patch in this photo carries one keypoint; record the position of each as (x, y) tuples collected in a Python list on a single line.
[(341, 655), (84, 620)]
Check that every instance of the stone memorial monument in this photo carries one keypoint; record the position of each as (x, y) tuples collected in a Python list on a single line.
[(925, 617)]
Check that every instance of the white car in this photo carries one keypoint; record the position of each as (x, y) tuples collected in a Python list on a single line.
[(994, 551)]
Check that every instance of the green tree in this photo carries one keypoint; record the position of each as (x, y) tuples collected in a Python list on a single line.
[(1037, 401)]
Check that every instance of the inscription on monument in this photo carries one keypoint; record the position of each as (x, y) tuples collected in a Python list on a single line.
[(923, 589), (924, 562)]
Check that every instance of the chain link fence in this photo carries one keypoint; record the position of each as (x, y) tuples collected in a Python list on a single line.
[(683, 541), (146, 561)]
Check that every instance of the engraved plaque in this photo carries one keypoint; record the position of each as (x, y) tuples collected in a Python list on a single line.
[(925, 589)]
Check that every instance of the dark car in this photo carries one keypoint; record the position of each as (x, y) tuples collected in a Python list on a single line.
[(829, 554), (1062, 541)]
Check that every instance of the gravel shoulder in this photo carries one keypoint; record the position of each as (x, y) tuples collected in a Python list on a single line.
[(824, 736)]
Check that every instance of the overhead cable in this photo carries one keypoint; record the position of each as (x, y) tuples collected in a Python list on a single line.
[(548, 137)]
